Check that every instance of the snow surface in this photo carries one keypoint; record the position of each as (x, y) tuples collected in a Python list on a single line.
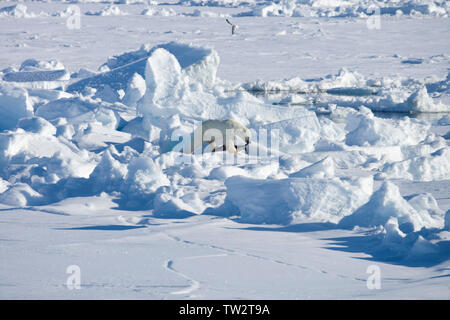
[(348, 164)]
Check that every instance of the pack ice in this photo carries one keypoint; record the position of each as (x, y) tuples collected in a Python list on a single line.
[(118, 132)]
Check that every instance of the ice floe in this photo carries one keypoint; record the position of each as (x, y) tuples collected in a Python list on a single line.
[(120, 130)]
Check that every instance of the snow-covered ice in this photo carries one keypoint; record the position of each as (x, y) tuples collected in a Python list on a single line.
[(347, 164)]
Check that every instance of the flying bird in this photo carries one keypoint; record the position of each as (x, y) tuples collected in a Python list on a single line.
[(233, 26)]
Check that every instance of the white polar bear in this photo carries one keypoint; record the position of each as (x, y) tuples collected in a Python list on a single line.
[(218, 135)]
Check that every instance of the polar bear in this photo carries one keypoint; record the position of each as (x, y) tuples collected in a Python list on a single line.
[(218, 135)]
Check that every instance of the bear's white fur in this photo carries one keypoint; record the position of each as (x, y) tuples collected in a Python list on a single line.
[(218, 135)]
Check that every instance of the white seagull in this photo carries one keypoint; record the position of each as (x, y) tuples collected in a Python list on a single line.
[(233, 26)]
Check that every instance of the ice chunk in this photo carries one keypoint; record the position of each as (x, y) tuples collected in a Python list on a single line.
[(295, 84), (140, 128), (38, 74), (343, 79), (117, 78), (20, 194), (145, 176), (207, 14), (4, 185), (82, 73), (37, 125), (431, 144), (155, 11), (107, 94), (163, 78), (126, 58), (143, 179), (14, 104), (38, 79), (167, 205), (398, 246), (292, 163), (200, 64), (342, 8), (65, 130), (107, 11), (426, 202), (435, 166), (296, 200), (249, 110), (46, 95), (17, 11), (169, 92), (31, 65), (135, 90), (298, 134), (224, 172), (97, 136), (80, 110), (108, 175), (331, 134), (319, 170), (372, 131), (393, 232), (58, 156), (259, 171), (283, 9), (420, 101), (385, 203)]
